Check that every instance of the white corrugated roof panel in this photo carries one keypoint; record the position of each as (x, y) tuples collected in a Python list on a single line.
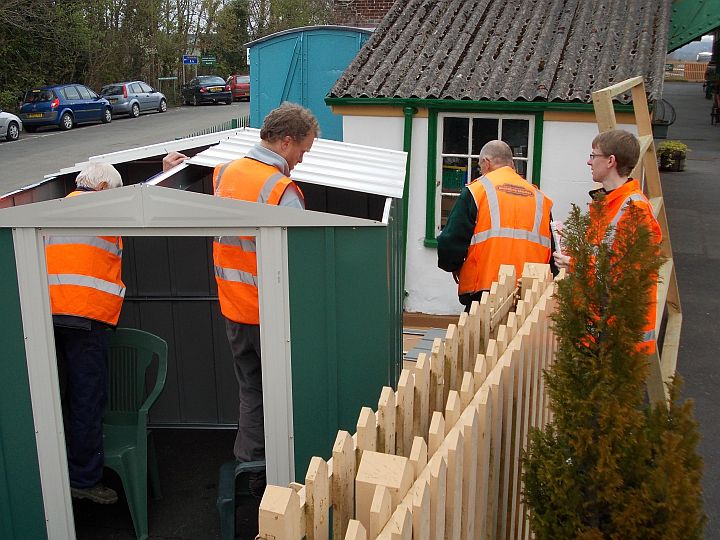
[(329, 163)]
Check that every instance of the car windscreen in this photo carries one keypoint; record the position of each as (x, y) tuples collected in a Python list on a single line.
[(211, 80), (242, 79), (112, 90), (38, 95)]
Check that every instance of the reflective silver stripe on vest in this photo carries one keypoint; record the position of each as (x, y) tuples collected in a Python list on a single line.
[(649, 336), (95, 241), (220, 174), (87, 281), (268, 186), (244, 243), (231, 274), (496, 231), (620, 212)]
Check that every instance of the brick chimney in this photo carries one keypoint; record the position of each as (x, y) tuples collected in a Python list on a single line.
[(360, 13)]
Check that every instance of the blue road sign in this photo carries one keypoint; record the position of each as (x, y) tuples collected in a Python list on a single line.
[(190, 59)]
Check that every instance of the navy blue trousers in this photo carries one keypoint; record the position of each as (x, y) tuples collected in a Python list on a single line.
[(82, 358)]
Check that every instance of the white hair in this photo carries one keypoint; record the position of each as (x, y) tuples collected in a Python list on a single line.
[(96, 173), (498, 152)]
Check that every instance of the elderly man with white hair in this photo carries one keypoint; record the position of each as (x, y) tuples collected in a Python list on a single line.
[(86, 295)]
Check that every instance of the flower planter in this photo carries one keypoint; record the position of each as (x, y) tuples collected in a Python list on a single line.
[(672, 161)]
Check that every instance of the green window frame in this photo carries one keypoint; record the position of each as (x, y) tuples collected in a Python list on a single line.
[(436, 172)]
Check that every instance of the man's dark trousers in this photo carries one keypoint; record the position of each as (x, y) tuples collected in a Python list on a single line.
[(84, 353)]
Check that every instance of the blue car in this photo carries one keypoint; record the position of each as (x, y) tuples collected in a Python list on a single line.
[(63, 105)]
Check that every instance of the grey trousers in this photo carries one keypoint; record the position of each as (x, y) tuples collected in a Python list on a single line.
[(245, 347)]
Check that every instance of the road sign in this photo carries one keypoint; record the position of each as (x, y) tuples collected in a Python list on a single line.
[(190, 59), (208, 60)]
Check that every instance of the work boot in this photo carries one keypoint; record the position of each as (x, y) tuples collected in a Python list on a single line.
[(98, 494)]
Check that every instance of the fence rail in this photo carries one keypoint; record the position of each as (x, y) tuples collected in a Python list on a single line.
[(685, 71), (439, 459), (233, 123)]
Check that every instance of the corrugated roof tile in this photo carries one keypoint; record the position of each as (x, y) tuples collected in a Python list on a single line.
[(533, 50)]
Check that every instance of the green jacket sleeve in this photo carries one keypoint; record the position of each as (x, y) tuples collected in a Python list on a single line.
[(454, 239)]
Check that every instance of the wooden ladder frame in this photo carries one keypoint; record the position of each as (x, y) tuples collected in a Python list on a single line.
[(669, 312)]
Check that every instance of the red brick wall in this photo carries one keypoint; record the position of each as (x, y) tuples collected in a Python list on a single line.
[(362, 13)]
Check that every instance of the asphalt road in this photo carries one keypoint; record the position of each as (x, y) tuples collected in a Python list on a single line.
[(34, 155)]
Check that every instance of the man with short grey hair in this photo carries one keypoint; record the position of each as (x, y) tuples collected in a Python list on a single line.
[(86, 296), (499, 218)]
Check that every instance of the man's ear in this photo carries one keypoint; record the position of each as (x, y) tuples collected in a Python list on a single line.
[(102, 186)]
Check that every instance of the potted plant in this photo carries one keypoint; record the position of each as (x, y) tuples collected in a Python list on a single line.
[(671, 155)]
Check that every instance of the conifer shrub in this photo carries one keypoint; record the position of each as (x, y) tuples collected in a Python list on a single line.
[(608, 464)]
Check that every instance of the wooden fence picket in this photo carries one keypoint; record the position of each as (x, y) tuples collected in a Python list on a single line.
[(343, 482), (404, 418), (453, 507), (485, 411), (418, 456), (367, 433), (421, 512), (380, 510), (436, 433), (280, 514), (480, 371), (317, 502), (450, 361), (356, 531), (438, 496), (470, 425), (452, 410), (386, 421), (467, 389), (437, 375), (421, 402), (508, 382)]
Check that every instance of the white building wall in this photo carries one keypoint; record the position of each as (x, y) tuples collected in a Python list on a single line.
[(565, 178), (565, 175)]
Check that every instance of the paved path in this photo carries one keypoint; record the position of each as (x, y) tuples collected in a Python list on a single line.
[(692, 200)]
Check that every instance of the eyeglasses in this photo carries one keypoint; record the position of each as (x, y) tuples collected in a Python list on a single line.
[(593, 156)]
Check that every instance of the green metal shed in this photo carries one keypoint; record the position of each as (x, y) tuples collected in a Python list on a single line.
[(330, 294)]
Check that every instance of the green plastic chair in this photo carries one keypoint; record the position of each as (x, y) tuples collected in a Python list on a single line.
[(129, 448)]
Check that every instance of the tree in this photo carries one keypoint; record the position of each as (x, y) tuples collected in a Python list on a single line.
[(609, 465)]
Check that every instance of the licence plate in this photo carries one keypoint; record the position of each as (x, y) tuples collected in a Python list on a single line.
[(34, 115), (112, 100), (216, 89)]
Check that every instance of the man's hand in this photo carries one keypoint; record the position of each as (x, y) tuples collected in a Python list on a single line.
[(561, 261), (173, 159)]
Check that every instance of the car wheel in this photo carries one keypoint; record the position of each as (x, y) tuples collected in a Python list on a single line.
[(107, 115), (134, 110), (163, 106), (13, 132), (228, 102), (31, 129), (66, 121), (195, 101)]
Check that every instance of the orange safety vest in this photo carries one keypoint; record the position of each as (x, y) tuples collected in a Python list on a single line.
[(85, 275), (615, 204), (512, 227), (234, 257)]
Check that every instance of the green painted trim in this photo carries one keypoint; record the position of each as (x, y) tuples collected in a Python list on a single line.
[(464, 105), (691, 19), (431, 183), (537, 147), (408, 113), (430, 243)]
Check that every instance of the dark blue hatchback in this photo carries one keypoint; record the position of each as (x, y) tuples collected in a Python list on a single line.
[(64, 106)]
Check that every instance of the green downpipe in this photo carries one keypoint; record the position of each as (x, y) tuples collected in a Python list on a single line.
[(408, 112)]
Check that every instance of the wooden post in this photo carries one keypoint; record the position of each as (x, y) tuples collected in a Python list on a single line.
[(470, 427), (421, 512), (453, 508), (280, 515), (386, 421), (438, 485), (404, 416), (343, 455), (418, 456), (485, 461), (450, 366), (452, 410), (437, 375), (380, 510), (366, 433), (317, 504), (437, 432), (421, 402), (355, 531)]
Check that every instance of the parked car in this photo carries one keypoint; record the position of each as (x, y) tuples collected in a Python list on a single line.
[(63, 105), (10, 126), (239, 86), (206, 88), (133, 97)]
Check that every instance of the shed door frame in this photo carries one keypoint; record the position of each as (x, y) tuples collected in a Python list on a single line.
[(42, 369)]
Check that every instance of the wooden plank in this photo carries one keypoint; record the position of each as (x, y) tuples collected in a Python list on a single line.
[(453, 507), (343, 455), (438, 497), (496, 395), (452, 410), (640, 105), (484, 317), (502, 339), (621, 87), (484, 410), (450, 368), (404, 417), (366, 434), (522, 419), (464, 343), (317, 504), (437, 375), (421, 402), (475, 337), (280, 515), (380, 510), (355, 531), (470, 427), (508, 382), (400, 525), (604, 113), (421, 512), (418, 456), (479, 371), (392, 472), (386, 421), (467, 389), (436, 433)]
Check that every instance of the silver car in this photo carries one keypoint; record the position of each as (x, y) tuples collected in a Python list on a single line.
[(133, 97), (10, 126)]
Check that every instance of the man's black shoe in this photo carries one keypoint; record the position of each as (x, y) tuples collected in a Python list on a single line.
[(98, 494)]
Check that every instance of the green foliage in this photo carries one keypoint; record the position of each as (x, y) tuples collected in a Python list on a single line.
[(609, 465)]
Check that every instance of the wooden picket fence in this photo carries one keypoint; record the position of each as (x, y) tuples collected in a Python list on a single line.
[(440, 458)]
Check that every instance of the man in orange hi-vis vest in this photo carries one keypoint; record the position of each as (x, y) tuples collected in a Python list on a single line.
[(262, 176), (613, 157), (499, 218), (86, 295)]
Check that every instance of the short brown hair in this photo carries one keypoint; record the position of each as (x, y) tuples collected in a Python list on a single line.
[(621, 144), (289, 119)]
